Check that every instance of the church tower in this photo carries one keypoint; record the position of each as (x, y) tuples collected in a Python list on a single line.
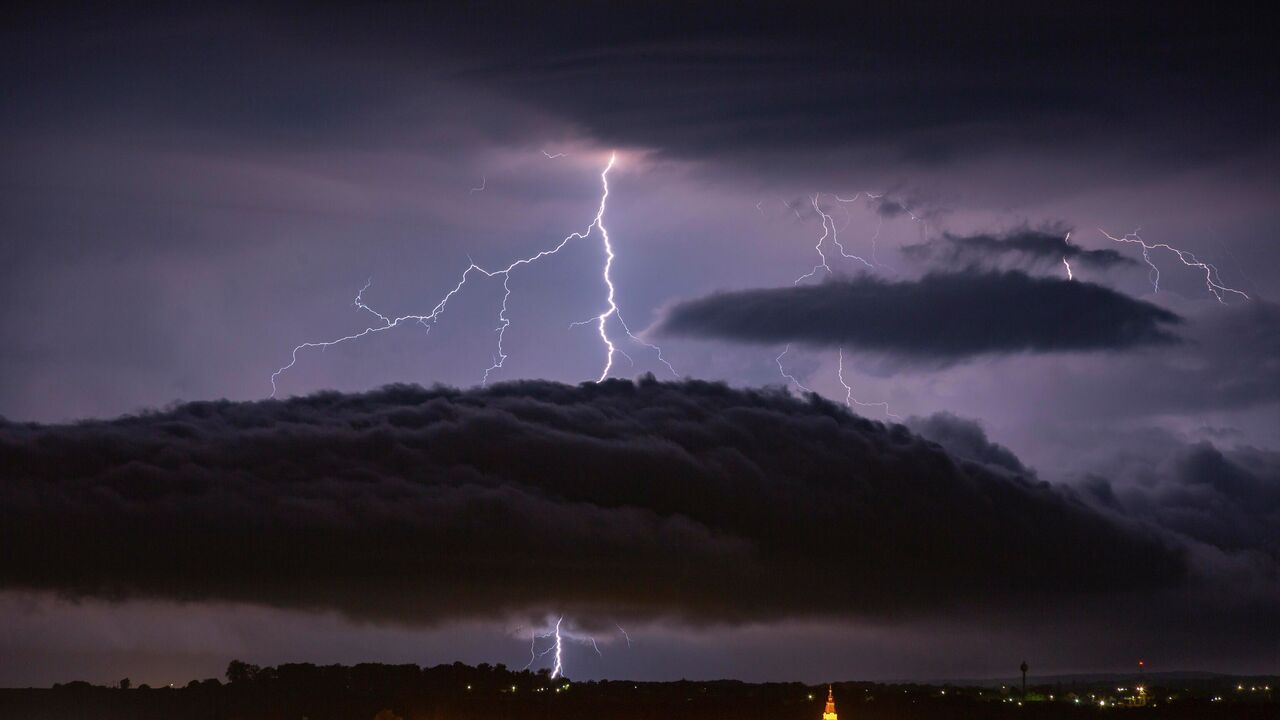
[(830, 712)]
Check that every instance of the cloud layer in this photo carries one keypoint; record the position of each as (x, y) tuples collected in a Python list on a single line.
[(939, 318), (1023, 248), (688, 500)]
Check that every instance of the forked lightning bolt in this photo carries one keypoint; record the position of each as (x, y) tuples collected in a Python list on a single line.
[(1211, 278), (829, 230), (429, 319), (555, 648)]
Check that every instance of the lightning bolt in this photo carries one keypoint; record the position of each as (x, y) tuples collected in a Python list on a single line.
[(849, 399), (558, 668), (551, 156), (429, 319), (557, 646), (558, 637), (829, 230), (483, 181), (1067, 240), (1211, 278), (784, 373)]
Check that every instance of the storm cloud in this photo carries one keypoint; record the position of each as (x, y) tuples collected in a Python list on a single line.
[(940, 318), (965, 438), (689, 500), (1021, 248), (1228, 499)]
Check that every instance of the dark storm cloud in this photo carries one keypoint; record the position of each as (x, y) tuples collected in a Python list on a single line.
[(1229, 361), (1021, 248), (939, 318), (690, 500), (965, 438), (1227, 499), (931, 84), (890, 209), (927, 84)]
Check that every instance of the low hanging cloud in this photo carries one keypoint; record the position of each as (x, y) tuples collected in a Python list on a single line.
[(620, 500), (940, 318), (1228, 499), (965, 438), (1021, 249)]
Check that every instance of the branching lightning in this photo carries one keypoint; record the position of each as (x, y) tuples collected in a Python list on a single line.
[(429, 319), (1211, 278), (483, 181), (557, 647), (559, 635), (829, 230), (552, 156), (849, 399)]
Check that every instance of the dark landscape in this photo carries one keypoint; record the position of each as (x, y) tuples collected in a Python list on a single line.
[(386, 692)]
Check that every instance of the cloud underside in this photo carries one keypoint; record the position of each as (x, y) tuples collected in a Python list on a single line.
[(624, 500), (939, 318), (1022, 248)]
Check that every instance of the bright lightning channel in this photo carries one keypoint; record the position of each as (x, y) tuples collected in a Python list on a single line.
[(555, 648), (1211, 278), (431, 318), (1067, 240)]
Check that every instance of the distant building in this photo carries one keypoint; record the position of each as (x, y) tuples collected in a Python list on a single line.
[(830, 712)]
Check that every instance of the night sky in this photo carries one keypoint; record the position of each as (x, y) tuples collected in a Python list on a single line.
[(1061, 448)]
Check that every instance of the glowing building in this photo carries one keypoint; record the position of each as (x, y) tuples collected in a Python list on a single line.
[(830, 712)]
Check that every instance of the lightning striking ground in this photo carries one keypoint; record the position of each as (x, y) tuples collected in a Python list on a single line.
[(1211, 278), (559, 635), (429, 319)]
